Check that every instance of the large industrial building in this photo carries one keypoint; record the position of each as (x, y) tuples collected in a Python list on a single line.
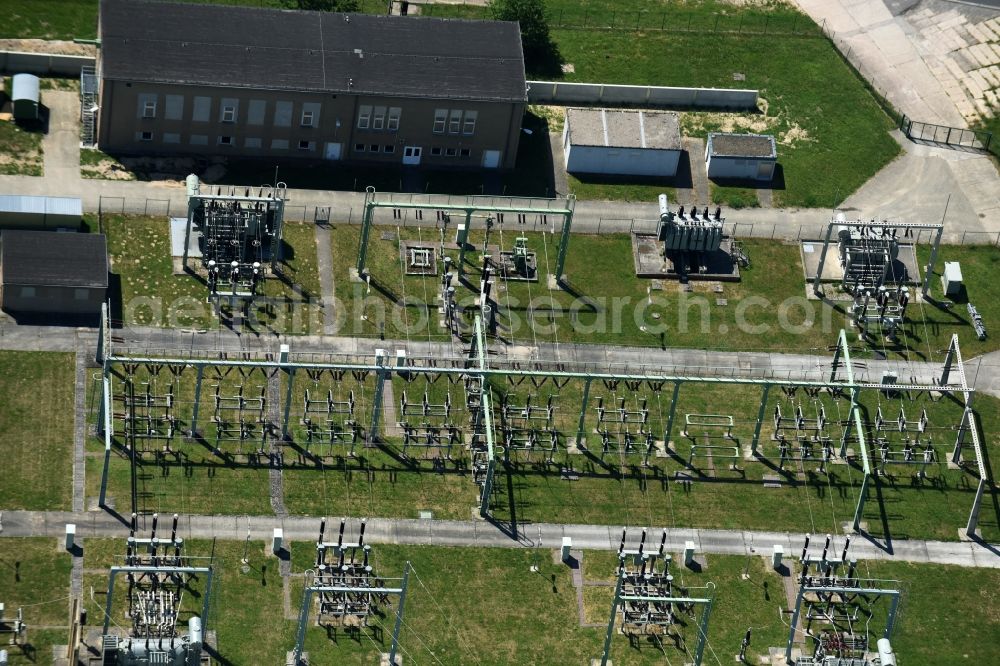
[(243, 81), (51, 273)]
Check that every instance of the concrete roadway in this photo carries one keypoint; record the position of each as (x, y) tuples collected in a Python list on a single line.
[(482, 533), (595, 358)]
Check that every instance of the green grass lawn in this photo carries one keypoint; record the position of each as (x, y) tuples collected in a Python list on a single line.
[(98, 164), (825, 154), (613, 305), (475, 605), (660, 15), (20, 150), (611, 488), (50, 19), (34, 574), (151, 294), (69, 19), (979, 263), (36, 430)]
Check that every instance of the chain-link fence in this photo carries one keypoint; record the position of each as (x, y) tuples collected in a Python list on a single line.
[(583, 223)]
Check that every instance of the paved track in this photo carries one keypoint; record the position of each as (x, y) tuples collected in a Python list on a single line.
[(486, 534)]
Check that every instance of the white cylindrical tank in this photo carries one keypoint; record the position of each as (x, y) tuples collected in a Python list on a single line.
[(193, 185), (664, 205), (886, 656), (194, 630)]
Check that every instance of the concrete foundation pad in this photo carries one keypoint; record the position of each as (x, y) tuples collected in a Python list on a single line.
[(647, 254), (906, 262), (383, 660), (963, 535)]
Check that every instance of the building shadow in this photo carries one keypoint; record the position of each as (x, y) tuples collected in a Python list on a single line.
[(777, 182)]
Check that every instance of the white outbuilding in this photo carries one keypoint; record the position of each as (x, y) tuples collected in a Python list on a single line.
[(622, 142), (741, 156)]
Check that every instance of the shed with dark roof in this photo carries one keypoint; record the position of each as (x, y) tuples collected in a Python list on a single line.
[(622, 142), (52, 272), (741, 156)]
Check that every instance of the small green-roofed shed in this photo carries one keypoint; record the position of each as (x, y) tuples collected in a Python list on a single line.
[(25, 97)]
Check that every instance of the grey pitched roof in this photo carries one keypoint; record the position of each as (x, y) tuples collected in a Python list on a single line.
[(624, 128), (53, 259), (741, 145), (249, 47)]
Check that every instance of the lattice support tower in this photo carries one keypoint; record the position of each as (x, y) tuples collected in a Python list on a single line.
[(158, 571), (648, 602), (347, 590)]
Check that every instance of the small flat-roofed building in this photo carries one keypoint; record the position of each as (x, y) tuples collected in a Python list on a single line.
[(21, 211), (622, 142), (741, 156), (24, 95), (43, 272)]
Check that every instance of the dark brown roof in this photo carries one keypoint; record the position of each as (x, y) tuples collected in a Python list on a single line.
[(54, 259), (741, 145), (250, 47)]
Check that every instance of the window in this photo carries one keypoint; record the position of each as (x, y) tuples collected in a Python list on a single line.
[(465, 152), (359, 147), (470, 122), (199, 139), (379, 121), (81, 294), (283, 114), (145, 136), (171, 137), (173, 108), (440, 116), (146, 105), (389, 148), (310, 114), (374, 148), (252, 142), (364, 116), (393, 123), (202, 109), (255, 112), (225, 140), (450, 152), (279, 144), (436, 151), (228, 108), (27, 292), (307, 145), (455, 121)]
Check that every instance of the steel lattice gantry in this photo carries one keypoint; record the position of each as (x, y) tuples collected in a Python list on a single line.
[(477, 368)]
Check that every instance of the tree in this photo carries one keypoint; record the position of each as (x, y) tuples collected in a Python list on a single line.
[(324, 5), (541, 55)]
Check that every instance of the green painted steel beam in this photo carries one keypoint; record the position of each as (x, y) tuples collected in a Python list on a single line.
[(559, 374)]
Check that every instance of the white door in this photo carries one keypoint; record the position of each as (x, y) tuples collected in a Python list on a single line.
[(411, 154), (332, 151), (491, 159)]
